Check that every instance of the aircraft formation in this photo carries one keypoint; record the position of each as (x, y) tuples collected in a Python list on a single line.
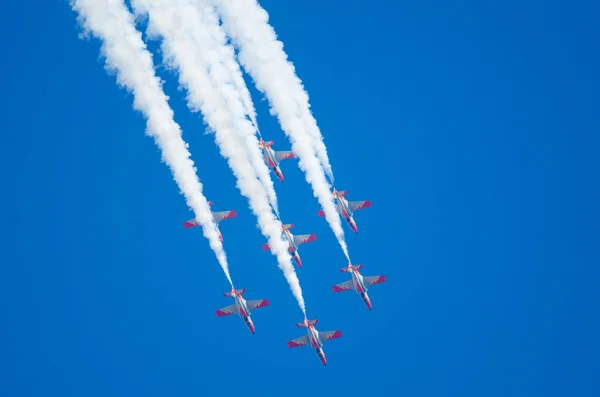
[(359, 283)]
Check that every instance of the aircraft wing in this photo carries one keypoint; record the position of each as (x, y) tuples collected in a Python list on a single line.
[(373, 280), (284, 155), (327, 335), (190, 223), (257, 304), (219, 216), (227, 310), (301, 341), (359, 205), (304, 238), (345, 286)]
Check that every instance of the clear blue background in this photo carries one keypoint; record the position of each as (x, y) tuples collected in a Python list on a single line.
[(472, 128)]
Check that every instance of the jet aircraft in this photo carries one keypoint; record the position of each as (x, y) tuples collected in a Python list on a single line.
[(314, 338), (358, 283), (217, 216), (346, 208), (294, 241), (242, 307), (273, 158)]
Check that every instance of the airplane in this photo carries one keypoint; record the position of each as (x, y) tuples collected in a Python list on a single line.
[(242, 307), (217, 217), (314, 337), (346, 208), (294, 241), (358, 283), (273, 158)]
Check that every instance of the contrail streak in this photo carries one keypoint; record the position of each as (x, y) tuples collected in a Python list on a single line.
[(263, 58), (187, 48), (126, 54)]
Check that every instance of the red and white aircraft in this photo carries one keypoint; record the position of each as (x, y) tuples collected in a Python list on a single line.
[(358, 283), (314, 338), (217, 217), (346, 208), (273, 158), (294, 241), (242, 307)]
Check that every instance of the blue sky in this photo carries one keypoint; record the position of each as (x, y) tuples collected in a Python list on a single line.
[(472, 128)]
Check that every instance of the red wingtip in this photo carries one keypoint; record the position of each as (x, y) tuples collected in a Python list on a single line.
[(210, 203), (321, 213), (189, 224), (232, 214), (366, 204), (266, 247), (311, 238)]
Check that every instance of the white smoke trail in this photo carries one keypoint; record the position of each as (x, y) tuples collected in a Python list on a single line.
[(126, 54), (263, 57), (247, 23), (228, 75), (187, 49)]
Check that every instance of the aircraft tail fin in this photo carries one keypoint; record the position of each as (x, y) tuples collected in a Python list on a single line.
[(350, 268), (307, 322), (237, 292), (266, 144), (340, 193)]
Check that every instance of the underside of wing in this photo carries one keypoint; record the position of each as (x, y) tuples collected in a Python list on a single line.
[(301, 341), (226, 311), (345, 286), (284, 155), (373, 280), (304, 238), (220, 216), (359, 205), (257, 304), (328, 335)]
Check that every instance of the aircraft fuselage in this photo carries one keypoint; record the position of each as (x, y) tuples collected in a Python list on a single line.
[(271, 160), (315, 342), (360, 288), (242, 309), (344, 210), (293, 247)]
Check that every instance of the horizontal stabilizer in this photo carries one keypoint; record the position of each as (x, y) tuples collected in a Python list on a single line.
[(340, 193), (266, 247), (350, 268), (309, 322), (321, 213), (288, 226), (237, 292)]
